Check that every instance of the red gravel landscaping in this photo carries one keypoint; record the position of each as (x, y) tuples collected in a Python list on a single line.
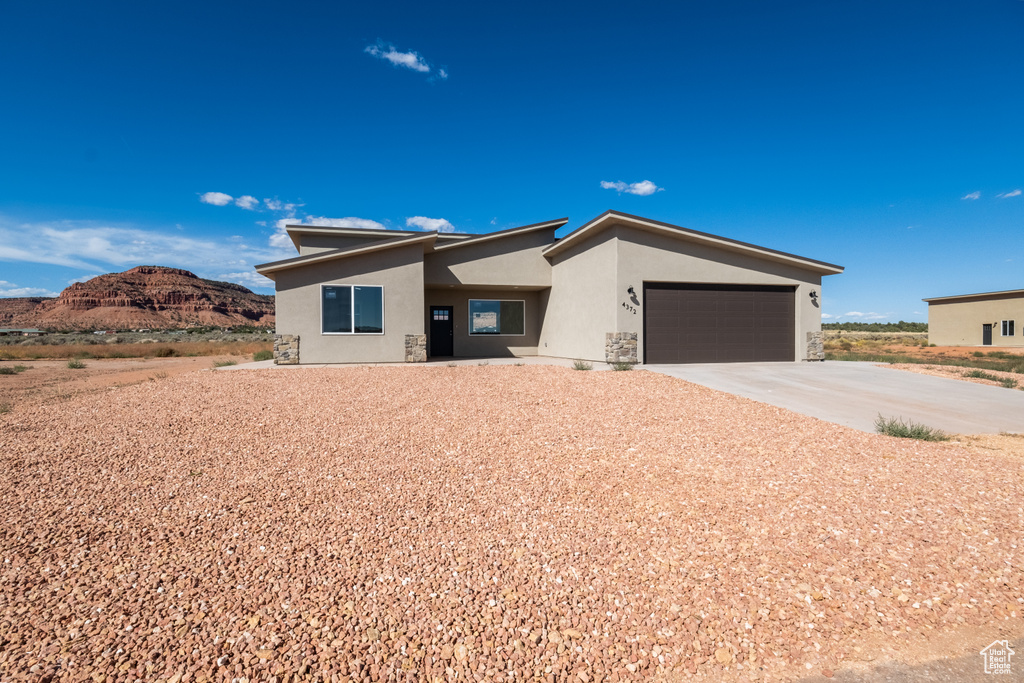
[(481, 523)]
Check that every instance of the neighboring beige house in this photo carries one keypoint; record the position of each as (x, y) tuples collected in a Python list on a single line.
[(619, 288), (988, 319)]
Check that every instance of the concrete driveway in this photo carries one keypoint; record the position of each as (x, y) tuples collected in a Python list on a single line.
[(854, 394)]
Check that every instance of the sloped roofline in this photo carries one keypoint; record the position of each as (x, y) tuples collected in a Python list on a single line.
[(511, 232), (981, 295), (299, 229), (333, 254), (611, 216)]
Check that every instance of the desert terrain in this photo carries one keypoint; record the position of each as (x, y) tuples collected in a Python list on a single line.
[(470, 523)]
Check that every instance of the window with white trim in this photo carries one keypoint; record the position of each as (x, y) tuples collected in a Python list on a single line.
[(1007, 328), (352, 309), (496, 317)]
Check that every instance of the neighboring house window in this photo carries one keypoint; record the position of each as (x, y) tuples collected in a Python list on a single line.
[(352, 309), (490, 316), (1007, 328)]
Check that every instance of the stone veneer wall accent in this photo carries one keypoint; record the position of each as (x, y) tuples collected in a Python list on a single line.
[(815, 346), (415, 348), (286, 349), (620, 347)]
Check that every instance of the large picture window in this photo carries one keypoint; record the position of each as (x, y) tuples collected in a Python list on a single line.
[(352, 309), (493, 317), (1007, 328)]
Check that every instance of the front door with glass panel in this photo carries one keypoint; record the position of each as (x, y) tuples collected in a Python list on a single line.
[(441, 331)]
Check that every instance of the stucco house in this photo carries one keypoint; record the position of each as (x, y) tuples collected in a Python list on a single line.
[(618, 288), (987, 319)]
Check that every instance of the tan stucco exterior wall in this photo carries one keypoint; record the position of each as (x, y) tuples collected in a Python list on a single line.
[(510, 261), (315, 244), (481, 346), (581, 306), (647, 257), (959, 323), (398, 270)]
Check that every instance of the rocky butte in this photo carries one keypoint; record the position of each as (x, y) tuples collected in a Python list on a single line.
[(152, 297)]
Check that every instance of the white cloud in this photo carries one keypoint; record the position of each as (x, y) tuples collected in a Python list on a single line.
[(93, 247), (407, 60), (247, 202), (876, 316), (643, 188), (972, 195), (215, 198), (826, 316), (433, 224), (277, 205), (853, 314), (248, 278), (9, 289), (1006, 195)]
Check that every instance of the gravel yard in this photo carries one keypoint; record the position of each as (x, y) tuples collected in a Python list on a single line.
[(469, 523)]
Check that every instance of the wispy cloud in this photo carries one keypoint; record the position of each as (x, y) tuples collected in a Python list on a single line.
[(433, 224), (215, 198), (9, 289), (852, 314), (409, 60), (643, 188), (1007, 195), (247, 202), (249, 278), (277, 205), (281, 240), (826, 316), (94, 246), (972, 195)]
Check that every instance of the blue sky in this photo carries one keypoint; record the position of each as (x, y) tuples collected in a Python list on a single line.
[(887, 137)]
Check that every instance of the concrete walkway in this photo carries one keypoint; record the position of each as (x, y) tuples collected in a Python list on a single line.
[(854, 394)]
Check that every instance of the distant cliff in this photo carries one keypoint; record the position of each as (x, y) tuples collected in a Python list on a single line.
[(153, 297)]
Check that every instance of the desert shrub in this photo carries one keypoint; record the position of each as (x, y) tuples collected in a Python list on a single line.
[(978, 354), (5, 408), (263, 355), (981, 374), (894, 426), (224, 363), (1008, 382), (7, 371), (165, 352), (582, 365), (622, 365), (75, 364)]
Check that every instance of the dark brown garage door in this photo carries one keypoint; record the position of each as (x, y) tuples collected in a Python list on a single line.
[(693, 323)]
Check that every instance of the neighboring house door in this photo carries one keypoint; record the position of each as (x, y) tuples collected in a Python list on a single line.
[(986, 335), (441, 331)]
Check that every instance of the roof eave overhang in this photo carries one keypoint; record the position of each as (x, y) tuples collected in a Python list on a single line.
[(512, 232), (270, 269), (1009, 293), (614, 217)]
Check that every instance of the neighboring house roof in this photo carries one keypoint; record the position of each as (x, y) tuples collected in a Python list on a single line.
[(984, 295), (404, 239), (609, 218), (477, 239)]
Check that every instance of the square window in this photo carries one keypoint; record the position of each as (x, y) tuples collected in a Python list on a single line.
[(1007, 327), (352, 309), (495, 317)]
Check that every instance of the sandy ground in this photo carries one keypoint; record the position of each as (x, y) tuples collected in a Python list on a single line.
[(51, 380), (470, 523)]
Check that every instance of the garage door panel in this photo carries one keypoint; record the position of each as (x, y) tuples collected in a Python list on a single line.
[(696, 323)]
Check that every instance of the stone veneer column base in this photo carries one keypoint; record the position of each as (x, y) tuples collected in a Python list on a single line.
[(415, 348), (620, 347), (815, 346), (286, 349)]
